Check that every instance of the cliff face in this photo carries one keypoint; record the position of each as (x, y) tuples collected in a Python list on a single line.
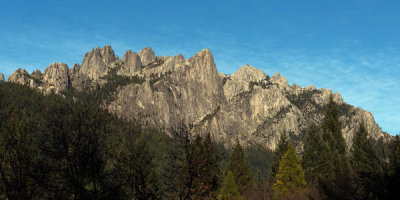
[(248, 105), (1, 77)]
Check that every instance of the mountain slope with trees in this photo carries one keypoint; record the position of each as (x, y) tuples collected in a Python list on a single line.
[(162, 91)]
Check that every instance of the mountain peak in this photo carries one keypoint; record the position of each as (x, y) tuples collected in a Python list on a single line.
[(248, 105), (132, 64), (57, 77), (147, 56), (249, 73), (1, 77), (96, 63), (280, 80)]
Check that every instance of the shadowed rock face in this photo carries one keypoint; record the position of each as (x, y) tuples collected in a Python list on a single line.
[(247, 105), (1, 77)]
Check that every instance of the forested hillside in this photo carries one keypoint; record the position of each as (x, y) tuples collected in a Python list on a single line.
[(66, 147), (161, 91)]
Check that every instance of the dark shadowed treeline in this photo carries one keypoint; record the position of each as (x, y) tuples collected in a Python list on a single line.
[(66, 147)]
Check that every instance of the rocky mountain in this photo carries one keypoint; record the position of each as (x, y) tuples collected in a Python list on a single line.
[(1, 77), (163, 91)]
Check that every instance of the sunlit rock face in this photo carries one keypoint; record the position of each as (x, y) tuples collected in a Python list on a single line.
[(248, 105), (1, 77), (56, 78), (97, 62)]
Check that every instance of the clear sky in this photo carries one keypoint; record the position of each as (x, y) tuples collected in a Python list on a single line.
[(351, 46)]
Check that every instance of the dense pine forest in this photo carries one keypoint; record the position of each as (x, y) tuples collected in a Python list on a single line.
[(67, 147)]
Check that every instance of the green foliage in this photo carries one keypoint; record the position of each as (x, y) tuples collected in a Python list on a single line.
[(193, 169), (337, 184), (229, 190), (57, 148), (279, 152), (362, 152), (394, 170), (316, 158), (395, 157), (17, 158), (135, 167), (66, 147), (364, 163), (240, 168), (290, 176), (260, 161)]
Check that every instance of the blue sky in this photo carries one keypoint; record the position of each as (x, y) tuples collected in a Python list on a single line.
[(351, 46)]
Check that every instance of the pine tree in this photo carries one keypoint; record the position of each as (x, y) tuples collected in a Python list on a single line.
[(206, 167), (395, 169), (239, 166), (338, 184), (279, 152), (395, 157), (316, 159), (290, 176), (364, 163), (229, 190)]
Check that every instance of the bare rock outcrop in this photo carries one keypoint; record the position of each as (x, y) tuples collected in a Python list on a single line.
[(37, 74), (249, 74), (21, 76), (1, 77), (56, 78), (248, 105), (97, 62), (280, 80), (147, 56), (132, 64)]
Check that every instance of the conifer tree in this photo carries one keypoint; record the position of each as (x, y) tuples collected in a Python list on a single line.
[(395, 157), (206, 167), (229, 190), (316, 159), (279, 152), (338, 184), (290, 177), (395, 169), (364, 163), (239, 166)]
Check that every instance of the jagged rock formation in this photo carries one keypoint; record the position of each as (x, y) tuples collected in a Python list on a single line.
[(21, 76), (96, 63), (163, 91), (147, 56), (132, 64), (1, 77)]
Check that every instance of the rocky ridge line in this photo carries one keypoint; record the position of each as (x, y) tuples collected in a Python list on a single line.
[(247, 105)]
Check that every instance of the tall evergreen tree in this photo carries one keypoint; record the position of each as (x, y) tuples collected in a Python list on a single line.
[(229, 190), (134, 167), (316, 158), (339, 184), (364, 163), (206, 167), (290, 177), (193, 167), (239, 166), (279, 152), (395, 169)]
